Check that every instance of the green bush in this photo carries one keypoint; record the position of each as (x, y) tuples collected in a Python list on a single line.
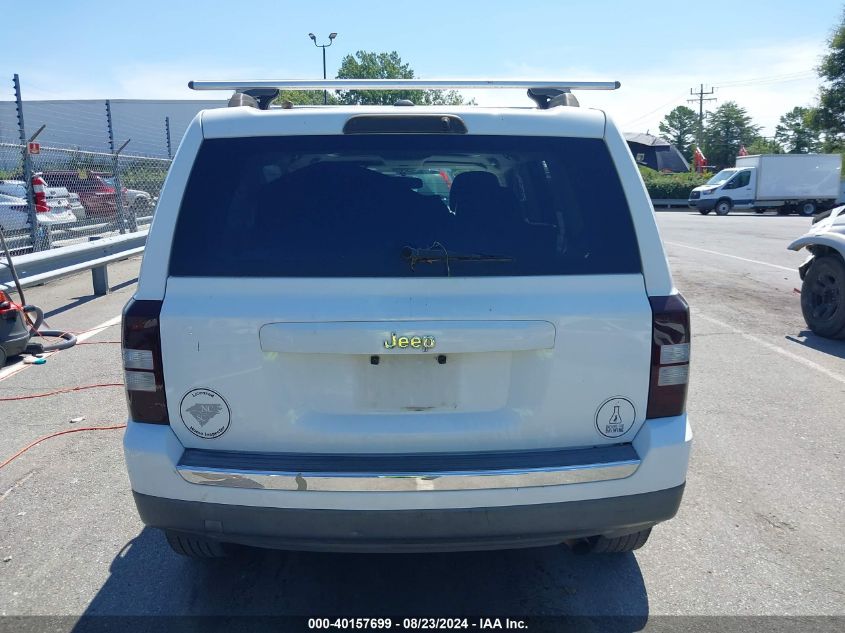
[(143, 177), (671, 186)]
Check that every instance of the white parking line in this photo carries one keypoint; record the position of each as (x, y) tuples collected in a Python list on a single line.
[(744, 259), (11, 370), (770, 346)]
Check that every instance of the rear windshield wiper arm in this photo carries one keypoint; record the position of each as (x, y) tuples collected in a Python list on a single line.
[(432, 255)]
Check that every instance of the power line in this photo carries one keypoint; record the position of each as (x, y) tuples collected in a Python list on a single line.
[(736, 83), (793, 76), (649, 113)]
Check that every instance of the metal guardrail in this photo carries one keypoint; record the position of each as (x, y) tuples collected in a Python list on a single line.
[(669, 202), (43, 266), (19, 242)]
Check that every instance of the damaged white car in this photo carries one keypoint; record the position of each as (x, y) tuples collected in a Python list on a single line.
[(823, 274)]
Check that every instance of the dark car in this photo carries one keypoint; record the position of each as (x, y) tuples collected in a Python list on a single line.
[(97, 196)]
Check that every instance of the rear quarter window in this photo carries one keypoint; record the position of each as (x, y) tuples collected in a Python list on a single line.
[(357, 205)]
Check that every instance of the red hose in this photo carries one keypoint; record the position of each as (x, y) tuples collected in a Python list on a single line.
[(58, 391), (47, 437)]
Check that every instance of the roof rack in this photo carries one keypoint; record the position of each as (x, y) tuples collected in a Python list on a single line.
[(546, 93), (398, 84)]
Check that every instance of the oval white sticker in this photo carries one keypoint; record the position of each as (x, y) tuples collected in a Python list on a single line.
[(205, 413)]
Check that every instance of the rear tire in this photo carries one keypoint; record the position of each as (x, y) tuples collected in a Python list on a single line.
[(823, 296), (723, 207), (195, 546), (806, 208), (141, 207), (617, 545)]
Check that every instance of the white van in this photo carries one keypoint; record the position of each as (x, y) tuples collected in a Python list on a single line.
[(788, 183), (327, 352)]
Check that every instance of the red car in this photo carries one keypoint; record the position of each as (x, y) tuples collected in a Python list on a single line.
[(97, 196)]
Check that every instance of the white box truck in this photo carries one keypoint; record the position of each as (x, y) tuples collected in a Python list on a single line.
[(788, 183)]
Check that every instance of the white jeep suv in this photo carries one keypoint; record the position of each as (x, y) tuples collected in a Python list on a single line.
[(325, 352)]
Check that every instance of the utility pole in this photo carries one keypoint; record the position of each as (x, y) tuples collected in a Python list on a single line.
[(701, 99)]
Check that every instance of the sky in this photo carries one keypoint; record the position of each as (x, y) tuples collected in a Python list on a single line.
[(761, 54)]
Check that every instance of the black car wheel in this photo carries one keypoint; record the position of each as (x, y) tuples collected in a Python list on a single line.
[(723, 207), (823, 296), (617, 545), (141, 207), (194, 546), (807, 208)]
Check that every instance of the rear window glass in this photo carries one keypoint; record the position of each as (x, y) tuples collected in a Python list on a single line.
[(403, 206)]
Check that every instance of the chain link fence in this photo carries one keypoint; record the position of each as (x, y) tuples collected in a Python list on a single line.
[(74, 195)]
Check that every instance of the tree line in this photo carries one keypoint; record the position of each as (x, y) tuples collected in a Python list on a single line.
[(370, 65), (728, 128), (725, 130)]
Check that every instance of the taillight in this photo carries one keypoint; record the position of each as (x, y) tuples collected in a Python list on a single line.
[(670, 355), (40, 195), (143, 371)]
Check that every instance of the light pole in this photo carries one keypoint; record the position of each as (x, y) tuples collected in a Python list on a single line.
[(324, 47)]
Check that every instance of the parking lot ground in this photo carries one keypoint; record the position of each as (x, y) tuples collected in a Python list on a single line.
[(758, 533)]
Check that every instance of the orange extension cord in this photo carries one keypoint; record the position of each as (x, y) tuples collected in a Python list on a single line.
[(65, 432), (47, 437), (58, 391)]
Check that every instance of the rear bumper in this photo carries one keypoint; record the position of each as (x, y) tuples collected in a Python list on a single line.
[(100, 208), (450, 529), (408, 519), (407, 472)]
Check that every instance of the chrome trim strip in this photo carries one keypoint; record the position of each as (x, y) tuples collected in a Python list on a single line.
[(407, 481)]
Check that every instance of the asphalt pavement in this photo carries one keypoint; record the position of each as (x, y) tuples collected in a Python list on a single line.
[(758, 533)]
